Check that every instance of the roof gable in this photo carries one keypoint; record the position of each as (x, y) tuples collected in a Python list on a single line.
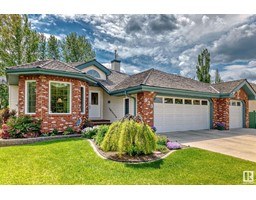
[(94, 63)]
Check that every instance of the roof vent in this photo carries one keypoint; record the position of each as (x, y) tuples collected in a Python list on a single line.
[(115, 64)]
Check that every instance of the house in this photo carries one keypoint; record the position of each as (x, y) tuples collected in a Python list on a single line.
[(252, 103), (64, 94)]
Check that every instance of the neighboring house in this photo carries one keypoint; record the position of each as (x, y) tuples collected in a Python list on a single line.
[(63, 94), (252, 103)]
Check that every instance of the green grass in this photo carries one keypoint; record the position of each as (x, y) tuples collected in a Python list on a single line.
[(73, 161)]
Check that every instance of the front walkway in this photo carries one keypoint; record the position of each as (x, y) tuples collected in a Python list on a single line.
[(240, 143)]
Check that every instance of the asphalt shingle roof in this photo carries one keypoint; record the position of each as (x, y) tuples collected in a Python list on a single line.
[(48, 64), (227, 87), (113, 80), (158, 78), (253, 85)]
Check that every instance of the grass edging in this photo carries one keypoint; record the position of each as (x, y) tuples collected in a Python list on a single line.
[(20, 141)]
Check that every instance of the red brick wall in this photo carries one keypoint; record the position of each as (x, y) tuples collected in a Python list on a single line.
[(221, 109), (51, 121), (145, 106)]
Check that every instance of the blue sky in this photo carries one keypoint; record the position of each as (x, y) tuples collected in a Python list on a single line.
[(169, 43)]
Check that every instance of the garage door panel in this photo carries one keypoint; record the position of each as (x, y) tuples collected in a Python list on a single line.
[(181, 117), (236, 115)]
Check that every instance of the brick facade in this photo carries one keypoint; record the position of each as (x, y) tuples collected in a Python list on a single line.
[(221, 109), (145, 106), (54, 121)]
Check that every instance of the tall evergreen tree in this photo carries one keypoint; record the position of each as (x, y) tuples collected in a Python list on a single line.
[(42, 47), (217, 77), (77, 48), (53, 48), (203, 67), (31, 42)]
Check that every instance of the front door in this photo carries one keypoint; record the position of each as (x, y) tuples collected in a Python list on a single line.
[(94, 104)]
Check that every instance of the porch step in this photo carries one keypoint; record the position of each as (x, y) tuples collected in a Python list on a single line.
[(98, 122)]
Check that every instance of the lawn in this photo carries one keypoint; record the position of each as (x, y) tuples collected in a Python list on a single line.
[(73, 161)]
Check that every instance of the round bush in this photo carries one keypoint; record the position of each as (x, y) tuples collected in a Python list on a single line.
[(128, 136)]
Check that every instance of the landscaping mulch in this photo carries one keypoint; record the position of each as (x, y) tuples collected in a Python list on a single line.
[(157, 155)]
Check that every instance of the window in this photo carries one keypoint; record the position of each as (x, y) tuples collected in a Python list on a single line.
[(82, 100), (168, 100), (204, 103), (93, 73), (238, 103), (126, 106), (60, 97), (178, 101), (94, 98), (31, 97), (188, 101), (233, 103), (196, 102), (158, 100)]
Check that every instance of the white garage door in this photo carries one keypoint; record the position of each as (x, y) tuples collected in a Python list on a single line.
[(235, 114), (177, 114)]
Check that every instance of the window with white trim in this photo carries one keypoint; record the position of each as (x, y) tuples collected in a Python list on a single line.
[(31, 97), (82, 100), (60, 97)]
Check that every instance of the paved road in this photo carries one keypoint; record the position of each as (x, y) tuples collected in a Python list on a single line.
[(240, 143)]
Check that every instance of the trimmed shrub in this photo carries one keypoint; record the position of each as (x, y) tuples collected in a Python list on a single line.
[(24, 126), (162, 148), (161, 140), (89, 132), (129, 136), (68, 131), (101, 132)]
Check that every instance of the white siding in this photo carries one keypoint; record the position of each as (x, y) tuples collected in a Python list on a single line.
[(101, 98), (116, 105), (13, 97), (102, 74)]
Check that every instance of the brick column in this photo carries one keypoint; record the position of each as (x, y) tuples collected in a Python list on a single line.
[(221, 111), (145, 106)]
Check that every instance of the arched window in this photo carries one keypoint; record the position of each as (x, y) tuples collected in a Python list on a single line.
[(93, 73)]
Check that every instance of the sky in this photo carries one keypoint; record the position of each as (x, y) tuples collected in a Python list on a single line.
[(170, 43)]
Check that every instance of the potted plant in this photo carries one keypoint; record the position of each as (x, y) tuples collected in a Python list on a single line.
[(220, 126)]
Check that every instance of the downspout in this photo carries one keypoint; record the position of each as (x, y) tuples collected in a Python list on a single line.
[(134, 101), (211, 114)]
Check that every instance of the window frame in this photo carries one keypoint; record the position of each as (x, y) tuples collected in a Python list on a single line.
[(26, 97), (83, 109), (70, 96)]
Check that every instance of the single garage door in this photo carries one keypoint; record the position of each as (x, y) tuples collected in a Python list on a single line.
[(178, 114), (235, 114)]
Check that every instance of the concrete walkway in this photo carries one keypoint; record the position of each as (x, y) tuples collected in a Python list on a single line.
[(240, 143)]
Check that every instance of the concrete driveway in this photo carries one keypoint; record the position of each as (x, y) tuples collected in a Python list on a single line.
[(240, 143)]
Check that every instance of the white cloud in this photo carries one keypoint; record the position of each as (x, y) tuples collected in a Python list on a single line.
[(205, 19)]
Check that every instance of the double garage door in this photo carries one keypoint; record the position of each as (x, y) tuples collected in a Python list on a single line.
[(177, 114)]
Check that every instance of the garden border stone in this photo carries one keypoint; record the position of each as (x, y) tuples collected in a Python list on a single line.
[(98, 152), (20, 141)]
